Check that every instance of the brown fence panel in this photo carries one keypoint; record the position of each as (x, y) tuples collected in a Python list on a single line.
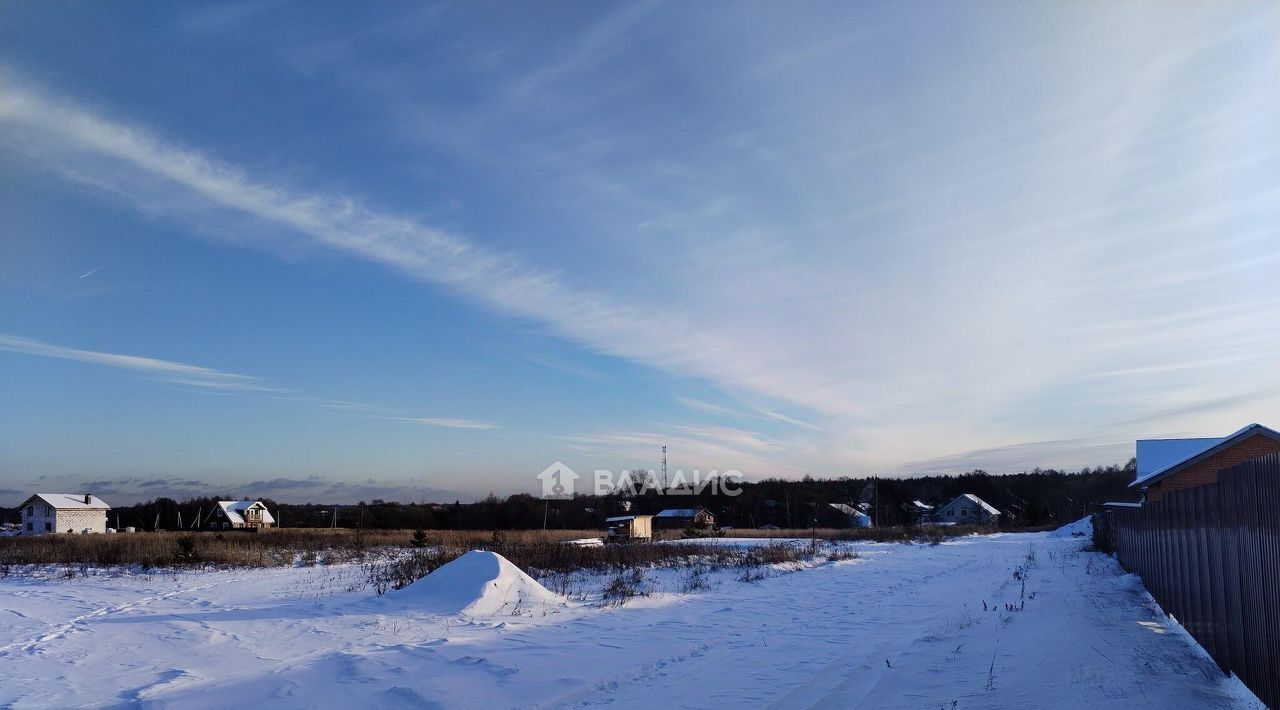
[(1211, 557), (1268, 499)]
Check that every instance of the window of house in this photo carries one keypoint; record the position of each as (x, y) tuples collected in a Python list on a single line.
[(48, 527), (31, 510), (30, 526)]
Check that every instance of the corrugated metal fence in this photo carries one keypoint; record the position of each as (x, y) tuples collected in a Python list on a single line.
[(1211, 557)]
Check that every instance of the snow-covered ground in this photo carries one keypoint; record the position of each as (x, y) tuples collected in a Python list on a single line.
[(1002, 621)]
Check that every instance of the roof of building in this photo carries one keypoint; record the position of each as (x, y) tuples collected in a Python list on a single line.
[(848, 509), (71, 501), (679, 512), (1119, 504), (1159, 458), (980, 502), (619, 518), (234, 508)]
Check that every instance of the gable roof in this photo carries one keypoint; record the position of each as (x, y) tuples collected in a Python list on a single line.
[(70, 501), (679, 512), (848, 510), (234, 508), (1158, 454), (975, 499), (1165, 457)]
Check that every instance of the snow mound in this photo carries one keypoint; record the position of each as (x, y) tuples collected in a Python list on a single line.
[(1080, 528), (479, 583)]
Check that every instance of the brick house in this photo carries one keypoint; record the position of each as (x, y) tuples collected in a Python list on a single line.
[(46, 513), (1166, 465)]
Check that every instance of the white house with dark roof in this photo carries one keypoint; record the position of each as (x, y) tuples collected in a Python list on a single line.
[(968, 509), (241, 514), (45, 513)]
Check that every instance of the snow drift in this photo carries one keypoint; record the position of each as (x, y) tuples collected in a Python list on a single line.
[(1080, 528), (478, 583)]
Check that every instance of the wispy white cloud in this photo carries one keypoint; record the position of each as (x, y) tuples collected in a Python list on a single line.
[(962, 260), (449, 422), (166, 370), (1064, 455), (761, 413), (785, 419), (74, 137), (208, 379), (709, 407)]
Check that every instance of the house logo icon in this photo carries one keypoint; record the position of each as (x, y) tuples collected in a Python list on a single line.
[(557, 481)]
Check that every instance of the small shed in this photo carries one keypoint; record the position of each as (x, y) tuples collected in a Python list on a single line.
[(623, 528)]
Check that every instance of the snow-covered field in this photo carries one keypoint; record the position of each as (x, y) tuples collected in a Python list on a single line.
[(1001, 621)]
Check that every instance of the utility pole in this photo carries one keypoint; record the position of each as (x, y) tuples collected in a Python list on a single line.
[(875, 507), (664, 468), (813, 529)]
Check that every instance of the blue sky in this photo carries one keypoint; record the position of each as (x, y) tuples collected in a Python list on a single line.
[(420, 251)]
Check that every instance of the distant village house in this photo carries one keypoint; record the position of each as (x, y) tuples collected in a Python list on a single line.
[(842, 515), (918, 512), (45, 513), (968, 509), (241, 515), (683, 518)]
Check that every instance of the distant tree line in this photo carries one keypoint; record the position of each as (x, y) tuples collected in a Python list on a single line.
[(1029, 499)]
